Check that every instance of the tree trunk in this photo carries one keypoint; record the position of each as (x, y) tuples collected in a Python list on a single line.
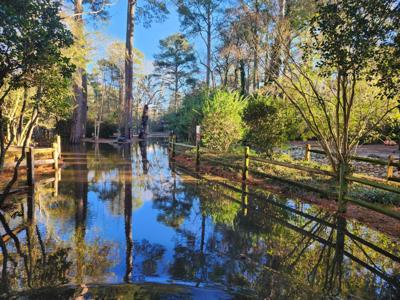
[(242, 77), (79, 117), (236, 78), (208, 74), (143, 154), (81, 203), (143, 126), (256, 42), (275, 60), (128, 121), (121, 105), (128, 215), (176, 89)]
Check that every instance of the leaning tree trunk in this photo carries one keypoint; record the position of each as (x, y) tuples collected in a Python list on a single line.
[(129, 69), (143, 125), (79, 116)]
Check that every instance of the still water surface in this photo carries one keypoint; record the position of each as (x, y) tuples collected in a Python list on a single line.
[(129, 215)]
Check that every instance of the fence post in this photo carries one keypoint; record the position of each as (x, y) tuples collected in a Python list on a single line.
[(389, 170), (30, 166), (173, 145), (245, 197), (246, 163), (55, 155), (343, 185), (31, 203), (58, 141), (198, 136), (55, 186), (307, 155), (198, 154)]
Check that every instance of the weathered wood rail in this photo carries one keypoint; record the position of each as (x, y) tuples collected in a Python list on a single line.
[(340, 193), (389, 163), (34, 158)]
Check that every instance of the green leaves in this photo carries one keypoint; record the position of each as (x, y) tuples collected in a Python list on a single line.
[(152, 10), (176, 64), (32, 36), (222, 123), (353, 37), (267, 123)]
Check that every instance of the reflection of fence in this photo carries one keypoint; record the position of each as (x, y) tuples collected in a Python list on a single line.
[(340, 192), (27, 213), (36, 157), (251, 210)]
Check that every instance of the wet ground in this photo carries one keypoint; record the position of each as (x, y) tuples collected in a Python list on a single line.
[(122, 221)]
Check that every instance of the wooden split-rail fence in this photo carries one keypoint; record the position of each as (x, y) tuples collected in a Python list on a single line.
[(343, 179), (34, 158), (390, 163)]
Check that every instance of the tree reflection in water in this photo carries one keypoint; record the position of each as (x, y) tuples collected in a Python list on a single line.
[(128, 213), (277, 250), (123, 215)]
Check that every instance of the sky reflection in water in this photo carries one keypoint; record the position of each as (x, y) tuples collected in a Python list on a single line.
[(123, 215)]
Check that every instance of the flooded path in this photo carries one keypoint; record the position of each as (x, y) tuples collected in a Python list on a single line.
[(128, 215)]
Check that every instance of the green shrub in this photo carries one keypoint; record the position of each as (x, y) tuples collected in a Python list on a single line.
[(222, 123), (271, 122), (189, 114), (265, 123), (107, 129)]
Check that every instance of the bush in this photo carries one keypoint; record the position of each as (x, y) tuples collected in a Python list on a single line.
[(271, 123), (222, 123), (107, 129), (189, 114), (266, 124)]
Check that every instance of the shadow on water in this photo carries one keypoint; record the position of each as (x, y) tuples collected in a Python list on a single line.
[(127, 221)]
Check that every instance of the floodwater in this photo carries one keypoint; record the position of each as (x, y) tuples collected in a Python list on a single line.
[(122, 221)]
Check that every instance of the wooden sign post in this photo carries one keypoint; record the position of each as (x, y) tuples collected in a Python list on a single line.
[(198, 137)]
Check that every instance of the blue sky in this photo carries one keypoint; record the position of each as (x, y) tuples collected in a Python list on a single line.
[(145, 39)]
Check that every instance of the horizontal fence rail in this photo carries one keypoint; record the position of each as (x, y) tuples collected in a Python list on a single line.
[(374, 184), (245, 167), (32, 160), (293, 166), (363, 159)]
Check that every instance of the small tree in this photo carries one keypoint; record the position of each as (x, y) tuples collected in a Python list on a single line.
[(199, 18), (222, 123), (334, 85), (176, 64), (267, 125), (31, 42)]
